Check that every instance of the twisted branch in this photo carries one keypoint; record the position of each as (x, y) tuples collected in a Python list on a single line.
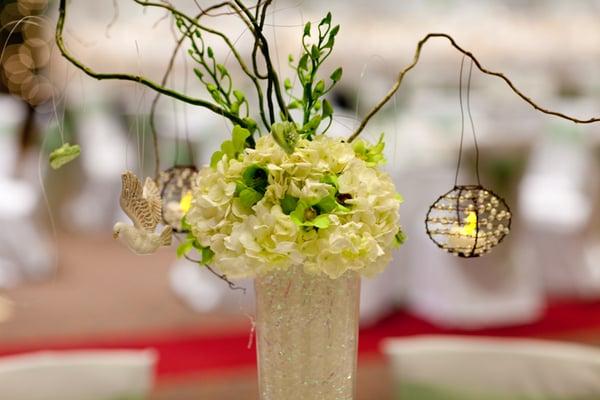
[(134, 78), (273, 79), (500, 75), (195, 22)]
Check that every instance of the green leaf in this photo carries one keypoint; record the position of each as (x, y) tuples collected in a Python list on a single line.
[(249, 197), (297, 215), (198, 73), (290, 58), (321, 222), (288, 84), (289, 204), (239, 136), (307, 28), (337, 75), (315, 53), (184, 248), (400, 238), (210, 52), (185, 226), (251, 125), (228, 148), (334, 31), (216, 157), (331, 180), (327, 205), (64, 155), (207, 255), (239, 96), (313, 124), (327, 109), (326, 20), (303, 63), (222, 70), (319, 88), (294, 105)]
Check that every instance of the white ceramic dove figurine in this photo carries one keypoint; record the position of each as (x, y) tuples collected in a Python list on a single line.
[(144, 206)]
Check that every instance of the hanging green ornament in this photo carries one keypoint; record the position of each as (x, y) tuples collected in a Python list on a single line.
[(64, 155)]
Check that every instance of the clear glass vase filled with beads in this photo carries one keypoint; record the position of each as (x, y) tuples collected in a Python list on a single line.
[(307, 335)]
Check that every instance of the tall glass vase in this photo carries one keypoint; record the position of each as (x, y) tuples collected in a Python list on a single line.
[(307, 335)]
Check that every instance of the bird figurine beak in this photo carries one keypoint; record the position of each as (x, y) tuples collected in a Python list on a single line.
[(115, 235)]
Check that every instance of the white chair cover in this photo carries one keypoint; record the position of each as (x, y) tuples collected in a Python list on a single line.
[(452, 368), (90, 375)]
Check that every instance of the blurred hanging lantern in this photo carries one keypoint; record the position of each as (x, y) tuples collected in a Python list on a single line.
[(175, 185), (468, 221)]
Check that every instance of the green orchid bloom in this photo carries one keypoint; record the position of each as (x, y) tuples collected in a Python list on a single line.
[(372, 155), (286, 136)]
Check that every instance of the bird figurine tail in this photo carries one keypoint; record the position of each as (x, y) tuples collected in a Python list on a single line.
[(166, 236)]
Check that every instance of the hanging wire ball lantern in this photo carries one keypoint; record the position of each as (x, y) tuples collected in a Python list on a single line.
[(468, 221), (175, 185)]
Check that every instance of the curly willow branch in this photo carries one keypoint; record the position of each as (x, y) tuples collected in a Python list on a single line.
[(500, 75), (195, 22), (135, 78)]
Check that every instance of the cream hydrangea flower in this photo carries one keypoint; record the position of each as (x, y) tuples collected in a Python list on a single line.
[(324, 207)]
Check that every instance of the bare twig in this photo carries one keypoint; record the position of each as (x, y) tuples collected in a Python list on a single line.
[(223, 277), (500, 75)]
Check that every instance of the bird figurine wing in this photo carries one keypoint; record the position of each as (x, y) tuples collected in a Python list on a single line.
[(142, 205)]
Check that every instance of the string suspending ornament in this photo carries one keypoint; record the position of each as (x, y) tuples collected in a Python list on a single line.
[(469, 220)]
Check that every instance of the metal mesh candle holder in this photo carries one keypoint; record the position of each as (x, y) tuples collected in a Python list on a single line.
[(468, 221), (175, 185)]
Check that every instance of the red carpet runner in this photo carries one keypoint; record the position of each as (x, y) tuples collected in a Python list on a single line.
[(182, 354)]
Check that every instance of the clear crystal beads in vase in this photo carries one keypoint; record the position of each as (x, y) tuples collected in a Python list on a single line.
[(307, 333)]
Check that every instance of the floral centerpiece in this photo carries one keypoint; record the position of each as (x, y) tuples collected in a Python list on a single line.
[(305, 214), (324, 205)]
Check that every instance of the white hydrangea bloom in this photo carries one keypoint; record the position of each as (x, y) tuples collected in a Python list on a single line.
[(359, 235)]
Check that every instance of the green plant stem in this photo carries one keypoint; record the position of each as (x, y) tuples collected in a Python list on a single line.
[(163, 83), (247, 18), (273, 80), (262, 15), (230, 45), (134, 78), (470, 55)]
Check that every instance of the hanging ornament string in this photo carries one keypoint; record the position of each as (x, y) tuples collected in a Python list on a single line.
[(462, 123), (472, 123), (462, 120)]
